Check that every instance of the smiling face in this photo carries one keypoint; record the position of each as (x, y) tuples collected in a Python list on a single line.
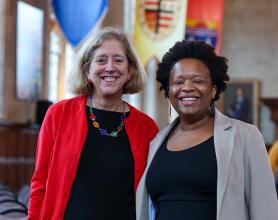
[(109, 69), (190, 88)]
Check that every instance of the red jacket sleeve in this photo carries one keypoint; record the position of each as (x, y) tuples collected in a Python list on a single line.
[(43, 156)]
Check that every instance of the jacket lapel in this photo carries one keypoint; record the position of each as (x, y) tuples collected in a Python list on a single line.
[(224, 142)]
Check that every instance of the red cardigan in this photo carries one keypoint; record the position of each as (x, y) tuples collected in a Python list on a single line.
[(59, 148)]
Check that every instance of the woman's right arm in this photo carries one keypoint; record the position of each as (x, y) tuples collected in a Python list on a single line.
[(43, 156)]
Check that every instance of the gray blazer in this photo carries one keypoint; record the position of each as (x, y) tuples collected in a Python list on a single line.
[(245, 184)]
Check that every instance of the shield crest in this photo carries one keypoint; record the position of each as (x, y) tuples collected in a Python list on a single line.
[(158, 18)]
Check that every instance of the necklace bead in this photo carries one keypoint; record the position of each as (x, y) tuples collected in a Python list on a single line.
[(96, 124)]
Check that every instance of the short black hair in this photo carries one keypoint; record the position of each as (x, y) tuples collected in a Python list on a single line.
[(200, 50)]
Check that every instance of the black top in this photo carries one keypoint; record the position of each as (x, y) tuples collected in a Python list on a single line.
[(182, 184), (103, 187)]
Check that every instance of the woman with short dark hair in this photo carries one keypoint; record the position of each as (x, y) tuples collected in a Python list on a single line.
[(204, 165)]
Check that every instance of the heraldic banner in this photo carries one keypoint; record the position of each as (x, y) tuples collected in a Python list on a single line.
[(204, 21), (158, 25)]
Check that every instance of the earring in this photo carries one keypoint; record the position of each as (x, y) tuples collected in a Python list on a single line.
[(170, 110), (89, 82), (211, 108)]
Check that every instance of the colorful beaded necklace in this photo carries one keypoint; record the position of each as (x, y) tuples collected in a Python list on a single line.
[(103, 131)]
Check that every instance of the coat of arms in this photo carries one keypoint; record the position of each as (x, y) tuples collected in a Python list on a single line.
[(158, 18)]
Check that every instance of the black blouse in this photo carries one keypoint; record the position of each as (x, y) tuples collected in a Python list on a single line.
[(103, 187), (182, 184)]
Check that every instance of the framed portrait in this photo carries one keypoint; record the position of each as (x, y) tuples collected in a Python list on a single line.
[(241, 100), (29, 51)]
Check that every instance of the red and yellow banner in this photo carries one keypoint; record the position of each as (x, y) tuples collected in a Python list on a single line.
[(204, 21), (158, 25)]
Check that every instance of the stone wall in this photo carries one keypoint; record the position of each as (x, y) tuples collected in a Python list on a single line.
[(250, 35)]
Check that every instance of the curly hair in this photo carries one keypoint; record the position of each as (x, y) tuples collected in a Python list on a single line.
[(200, 50)]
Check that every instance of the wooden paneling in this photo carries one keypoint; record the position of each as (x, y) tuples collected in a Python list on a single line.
[(17, 153)]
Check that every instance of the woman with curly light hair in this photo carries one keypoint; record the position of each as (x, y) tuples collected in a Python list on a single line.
[(92, 148)]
